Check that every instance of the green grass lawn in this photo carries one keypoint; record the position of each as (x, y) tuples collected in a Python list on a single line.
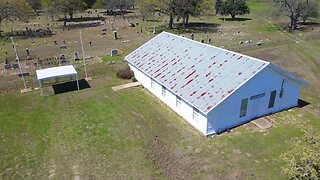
[(111, 58), (97, 133)]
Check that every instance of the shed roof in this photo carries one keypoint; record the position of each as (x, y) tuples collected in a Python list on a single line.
[(201, 74), (53, 72)]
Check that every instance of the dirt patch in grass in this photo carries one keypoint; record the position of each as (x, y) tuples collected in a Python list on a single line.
[(165, 161)]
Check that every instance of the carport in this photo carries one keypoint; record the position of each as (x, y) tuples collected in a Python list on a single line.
[(55, 72)]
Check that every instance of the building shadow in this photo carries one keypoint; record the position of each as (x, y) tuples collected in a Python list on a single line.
[(302, 103), (70, 86)]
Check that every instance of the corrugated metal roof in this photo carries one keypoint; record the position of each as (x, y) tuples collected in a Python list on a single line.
[(201, 74)]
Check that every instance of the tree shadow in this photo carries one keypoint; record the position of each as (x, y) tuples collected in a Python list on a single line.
[(309, 23), (38, 33), (116, 13), (236, 19), (83, 19), (81, 25), (193, 27), (70, 86)]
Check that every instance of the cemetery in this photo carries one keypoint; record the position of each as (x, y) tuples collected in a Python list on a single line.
[(71, 108)]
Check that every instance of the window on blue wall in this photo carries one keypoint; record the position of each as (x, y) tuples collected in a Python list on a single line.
[(195, 114), (178, 101), (272, 99), (152, 83), (244, 106), (164, 91)]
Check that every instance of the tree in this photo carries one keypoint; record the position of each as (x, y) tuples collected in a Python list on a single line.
[(122, 5), (217, 6), (144, 8), (303, 161), (66, 7), (187, 8), (14, 9), (234, 7), (290, 8), (34, 4), (308, 9), (90, 3)]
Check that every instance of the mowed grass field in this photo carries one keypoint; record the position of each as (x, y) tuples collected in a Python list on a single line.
[(98, 133)]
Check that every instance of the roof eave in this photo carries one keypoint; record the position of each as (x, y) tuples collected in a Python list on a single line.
[(289, 75)]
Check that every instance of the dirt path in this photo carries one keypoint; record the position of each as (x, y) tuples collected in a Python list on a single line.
[(164, 161)]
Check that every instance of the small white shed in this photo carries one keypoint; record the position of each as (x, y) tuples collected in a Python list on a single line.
[(55, 72), (213, 89)]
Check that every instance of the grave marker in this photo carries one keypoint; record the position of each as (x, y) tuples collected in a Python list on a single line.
[(76, 56), (192, 36), (115, 33), (114, 52)]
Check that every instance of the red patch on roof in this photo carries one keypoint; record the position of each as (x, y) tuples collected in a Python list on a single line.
[(201, 95), (187, 83), (190, 75), (193, 93), (157, 75)]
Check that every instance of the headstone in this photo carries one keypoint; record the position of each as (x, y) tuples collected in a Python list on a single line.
[(62, 58), (115, 33), (154, 30), (202, 41), (28, 52), (15, 66), (23, 74), (90, 43), (104, 29), (259, 43), (241, 42), (6, 66), (63, 46), (114, 52), (209, 40), (76, 56), (192, 36)]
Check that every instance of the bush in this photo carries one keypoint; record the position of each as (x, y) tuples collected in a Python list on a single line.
[(134, 79), (125, 73)]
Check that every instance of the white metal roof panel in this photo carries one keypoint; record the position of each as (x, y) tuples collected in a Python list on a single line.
[(53, 72), (201, 74)]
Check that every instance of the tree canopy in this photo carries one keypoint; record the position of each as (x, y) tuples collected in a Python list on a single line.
[(308, 9), (232, 8), (295, 9), (66, 7), (17, 9), (34, 4), (303, 160)]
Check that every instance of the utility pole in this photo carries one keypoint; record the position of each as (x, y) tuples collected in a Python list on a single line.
[(84, 59), (18, 60)]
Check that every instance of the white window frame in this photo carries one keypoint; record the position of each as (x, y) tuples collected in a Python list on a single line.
[(178, 101), (164, 91)]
